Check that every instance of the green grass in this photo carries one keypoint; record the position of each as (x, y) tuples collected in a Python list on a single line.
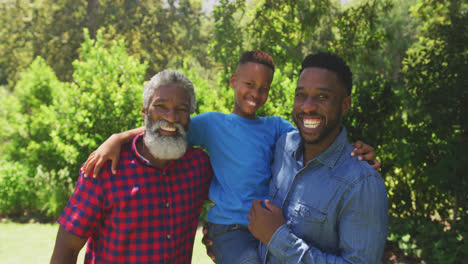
[(33, 243)]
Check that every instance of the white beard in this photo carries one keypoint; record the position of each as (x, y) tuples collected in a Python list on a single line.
[(161, 146)]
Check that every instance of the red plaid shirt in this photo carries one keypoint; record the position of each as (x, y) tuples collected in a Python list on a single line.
[(143, 214)]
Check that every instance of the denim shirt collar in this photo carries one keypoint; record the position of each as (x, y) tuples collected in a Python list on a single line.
[(328, 157)]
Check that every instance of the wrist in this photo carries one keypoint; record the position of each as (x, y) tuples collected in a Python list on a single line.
[(122, 137)]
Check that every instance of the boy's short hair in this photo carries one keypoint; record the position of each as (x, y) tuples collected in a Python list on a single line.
[(257, 56), (333, 63)]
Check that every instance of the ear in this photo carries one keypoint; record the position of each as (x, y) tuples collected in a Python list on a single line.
[(143, 113), (346, 105), (232, 80)]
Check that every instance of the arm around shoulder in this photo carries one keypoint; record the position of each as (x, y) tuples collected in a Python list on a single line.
[(109, 150), (67, 247)]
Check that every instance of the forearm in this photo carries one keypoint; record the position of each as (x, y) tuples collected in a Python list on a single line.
[(127, 136), (67, 247), (286, 247), (61, 257)]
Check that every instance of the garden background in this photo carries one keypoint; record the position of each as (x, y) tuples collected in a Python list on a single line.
[(72, 73)]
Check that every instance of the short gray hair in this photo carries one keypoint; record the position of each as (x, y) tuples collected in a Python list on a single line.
[(164, 78)]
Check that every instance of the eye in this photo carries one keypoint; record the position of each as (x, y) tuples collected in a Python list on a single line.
[(323, 96), (299, 95), (159, 107), (249, 84), (182, 109)]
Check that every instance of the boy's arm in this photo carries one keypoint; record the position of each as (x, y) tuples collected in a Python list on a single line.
[(67, 247), (109, 150)]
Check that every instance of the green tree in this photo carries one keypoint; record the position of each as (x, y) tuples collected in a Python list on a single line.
[(436, 116), (53, 30)]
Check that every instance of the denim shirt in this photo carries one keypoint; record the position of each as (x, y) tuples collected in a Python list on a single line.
[(335, 206)]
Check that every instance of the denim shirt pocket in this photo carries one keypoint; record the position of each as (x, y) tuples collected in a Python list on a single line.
[(309, 213), (308, 222)]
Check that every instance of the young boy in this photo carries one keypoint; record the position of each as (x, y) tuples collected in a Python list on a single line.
[(241, 147)]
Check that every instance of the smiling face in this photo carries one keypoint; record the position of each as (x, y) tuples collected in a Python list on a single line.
[(251, 84), (170, 103), (166, 122), (320, 103)]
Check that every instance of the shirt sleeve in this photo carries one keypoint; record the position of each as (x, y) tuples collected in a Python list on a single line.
[(198, 130), (82, 213), (284, 126), (362, 230), (208, 176)]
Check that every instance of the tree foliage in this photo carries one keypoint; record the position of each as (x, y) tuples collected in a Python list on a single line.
[(152, 29), (61, 122)]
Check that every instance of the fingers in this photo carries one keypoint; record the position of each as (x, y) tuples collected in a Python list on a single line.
[(88, 164), (208, 242), (357, 144), (270, 206), (86, 167), (212, 256), (361, 148), (98, 167), (251, 215), (368, 157), (114, 166), (376, 165), (205, 229), (205, 239), (256, 205)]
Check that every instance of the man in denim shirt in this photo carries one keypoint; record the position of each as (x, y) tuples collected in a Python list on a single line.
[(325, 206)]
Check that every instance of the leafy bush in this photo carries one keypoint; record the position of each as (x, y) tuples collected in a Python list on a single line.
[(430, 240), (53, 190), (59, 123), (16, 189)]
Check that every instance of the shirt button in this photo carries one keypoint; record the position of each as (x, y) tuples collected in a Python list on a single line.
[(164, 173), (167, 205), (168, 236)]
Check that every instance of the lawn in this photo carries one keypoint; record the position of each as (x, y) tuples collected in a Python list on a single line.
[(33, 243)]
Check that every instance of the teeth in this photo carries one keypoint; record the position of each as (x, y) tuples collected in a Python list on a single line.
[(311, 123), (251, 103), (168, 128)]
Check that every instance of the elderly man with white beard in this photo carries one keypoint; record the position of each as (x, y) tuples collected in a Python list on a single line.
[(148, 211)]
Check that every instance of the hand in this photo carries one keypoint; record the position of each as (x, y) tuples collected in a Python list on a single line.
[(208, 243), (109, 150), (367, 154), (264, 221)]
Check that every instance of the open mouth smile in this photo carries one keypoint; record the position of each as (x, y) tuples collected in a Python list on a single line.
[(251, 103)]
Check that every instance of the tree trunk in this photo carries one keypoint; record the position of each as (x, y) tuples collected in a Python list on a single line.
[(92, 15)]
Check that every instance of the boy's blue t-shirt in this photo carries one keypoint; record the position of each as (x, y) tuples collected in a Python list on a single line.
[(241, 152)]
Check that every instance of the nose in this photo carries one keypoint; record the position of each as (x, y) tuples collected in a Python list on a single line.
[(171, 116), (309, 105), (254, 92)]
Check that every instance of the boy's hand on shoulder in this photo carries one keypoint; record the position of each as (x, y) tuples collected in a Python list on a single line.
[(109, 150), (365, 153)]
